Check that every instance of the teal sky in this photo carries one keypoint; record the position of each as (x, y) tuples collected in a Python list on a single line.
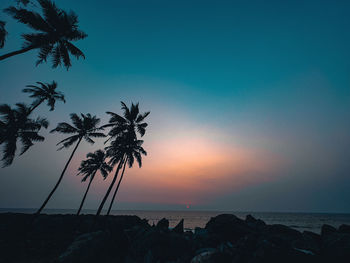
[(266, 80)]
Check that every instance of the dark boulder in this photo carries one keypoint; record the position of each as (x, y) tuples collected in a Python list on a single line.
[(227, 227), (179, 228), (159, 245), (163, 224), (86, 248), (327, 229), (345, 229), (258, 249), (254, 223), (335, 245), (212, 255), (283, 236), (311, 242), (100, 246)]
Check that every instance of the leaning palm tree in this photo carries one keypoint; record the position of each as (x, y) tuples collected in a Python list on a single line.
[(121, 128), (15, 125), (95, 162), (3, 34), (118, 158), (132, 149), (84, 127), (46, 92), (56, 29)]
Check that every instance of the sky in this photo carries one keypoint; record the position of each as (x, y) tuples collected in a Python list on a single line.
[(249, 101)]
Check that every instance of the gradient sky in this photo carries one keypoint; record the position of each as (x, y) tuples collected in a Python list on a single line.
[(249, 101)]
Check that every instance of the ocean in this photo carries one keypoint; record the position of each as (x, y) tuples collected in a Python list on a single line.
[(299, 221)]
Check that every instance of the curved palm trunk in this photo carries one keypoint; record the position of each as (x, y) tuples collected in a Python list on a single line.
[(35, 106), (87, 190), (60, 179), (21, 51), (116, 190), (110, 187)]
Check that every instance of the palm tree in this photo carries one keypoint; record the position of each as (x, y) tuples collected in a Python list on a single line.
[(132, 121), (44, 92), (84, 127), (56, 30), (132, 149), (119, 158), (95, 162), (123, 127), (3, 34), (16, 125)]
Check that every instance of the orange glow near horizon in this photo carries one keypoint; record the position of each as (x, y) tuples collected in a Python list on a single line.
[(188, 168)]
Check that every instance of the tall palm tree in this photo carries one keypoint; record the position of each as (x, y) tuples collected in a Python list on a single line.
[(123, 127), (84, 127), (44, 92), (16, 125), (95, 162), (56, 29), (119, 158), (3, 34), (132, 149)]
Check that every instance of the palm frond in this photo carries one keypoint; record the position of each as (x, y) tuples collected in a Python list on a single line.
[(3, 34), (30, 18), (74, 50)]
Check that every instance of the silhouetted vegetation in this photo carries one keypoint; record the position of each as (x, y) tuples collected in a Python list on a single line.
[(15, 125), (46, 92), (3, 34), (129, 147), (84, 127), (124, 133), (56, 29), (54, 32), (88, 168)]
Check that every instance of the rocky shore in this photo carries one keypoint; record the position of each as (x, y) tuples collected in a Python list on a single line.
[(225, 238)]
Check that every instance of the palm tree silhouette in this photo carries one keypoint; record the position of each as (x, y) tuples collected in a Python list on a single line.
[(44, 92), (3, 34), (16, 125), (121, 128), (84, 127), (95, 162), (132, 121), (56, 31), (131, 149)]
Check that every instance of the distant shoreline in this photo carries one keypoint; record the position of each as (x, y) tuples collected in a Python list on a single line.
[(91, 211)]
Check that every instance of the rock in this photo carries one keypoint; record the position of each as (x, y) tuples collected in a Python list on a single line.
[(259, 249), (312, 242), (212, 255), (179, 228), (345, 229), (163, 224), (254, 223), (160, 246), (284, 236), (227, 227), (202, 239), (90, 247), (335, 245), (327, 229), (200, 231)]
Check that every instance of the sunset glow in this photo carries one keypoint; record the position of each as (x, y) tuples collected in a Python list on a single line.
[(250, 107)]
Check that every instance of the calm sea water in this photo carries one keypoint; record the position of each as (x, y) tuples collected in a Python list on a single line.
[(299, 221)]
